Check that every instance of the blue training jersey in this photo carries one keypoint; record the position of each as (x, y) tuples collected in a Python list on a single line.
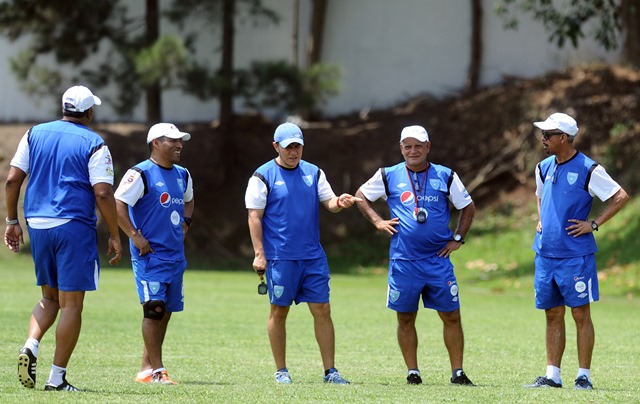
[(418, 240), (291, 224), (565, 196), (159, 212), (59, 184)]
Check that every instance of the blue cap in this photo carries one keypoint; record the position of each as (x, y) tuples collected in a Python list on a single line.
[(288, 133)]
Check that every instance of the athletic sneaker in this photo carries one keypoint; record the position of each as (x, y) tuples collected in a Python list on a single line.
[(64, 386), (414, 378), (334, 377), (462, 380), (583, 383), (282, 376), (27, 368), (162, 377), (544, 381), (147, 378)]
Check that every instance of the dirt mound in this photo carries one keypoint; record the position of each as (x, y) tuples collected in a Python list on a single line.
[(486, 137)]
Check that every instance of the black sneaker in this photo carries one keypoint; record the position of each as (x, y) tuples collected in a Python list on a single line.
[(583, 383), (64, 386), (462, 380), (414, 378), (544, 381), (27, 368)]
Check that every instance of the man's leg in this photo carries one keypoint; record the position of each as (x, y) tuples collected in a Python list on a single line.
[(276, 327), (408, 338), (153, 333), (69, 325), (556, 335), (325, 335), (44, 313), (585, 334), (453, 337)]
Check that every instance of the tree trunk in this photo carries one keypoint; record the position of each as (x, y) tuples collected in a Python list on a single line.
[(226, 94), (631, 22), (314, 44), (475, 64), (153, 91)]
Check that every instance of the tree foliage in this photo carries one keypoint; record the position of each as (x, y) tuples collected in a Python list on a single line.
[(567, 20)]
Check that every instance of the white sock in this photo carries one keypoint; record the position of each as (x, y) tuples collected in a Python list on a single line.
[(159, 370), (32, 344), (144, 373), (584, 372), (414, 372), (56, 374), (553, 373)]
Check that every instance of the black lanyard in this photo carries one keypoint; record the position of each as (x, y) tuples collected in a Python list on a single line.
[(413, 188)]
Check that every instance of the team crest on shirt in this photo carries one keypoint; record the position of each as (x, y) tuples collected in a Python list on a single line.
[(393, 295), (308, 179), (278, 290), (572, 177), (435, 183)]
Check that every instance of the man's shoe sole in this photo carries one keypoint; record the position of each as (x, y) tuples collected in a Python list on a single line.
[(23, 371)]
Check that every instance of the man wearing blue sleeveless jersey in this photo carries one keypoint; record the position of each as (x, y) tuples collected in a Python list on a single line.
[(283, 198), (70, 173), (566, 183), (155, 204), (418, 194)]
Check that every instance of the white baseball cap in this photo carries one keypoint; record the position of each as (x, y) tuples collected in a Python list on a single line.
[(288, 133), (561, 122), (166, 129), (79, 99), (416, 132)]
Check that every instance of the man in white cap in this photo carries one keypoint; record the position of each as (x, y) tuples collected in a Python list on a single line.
[(565, 274), (155, 206), (418, 194), (70, 173), (283, 198)]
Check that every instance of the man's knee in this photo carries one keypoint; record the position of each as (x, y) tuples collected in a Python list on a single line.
[(154, 309)]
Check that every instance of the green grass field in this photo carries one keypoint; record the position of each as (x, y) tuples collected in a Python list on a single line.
[(218, 350)]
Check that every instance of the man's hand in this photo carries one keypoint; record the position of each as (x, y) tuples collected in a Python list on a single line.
[(13, 237)]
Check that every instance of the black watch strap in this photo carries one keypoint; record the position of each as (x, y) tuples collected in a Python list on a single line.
[(188, 221)]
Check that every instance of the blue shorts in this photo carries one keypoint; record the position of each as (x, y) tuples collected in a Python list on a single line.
[(298, 280), (432, 278), (160, 280), (66, 256), (569, 282)]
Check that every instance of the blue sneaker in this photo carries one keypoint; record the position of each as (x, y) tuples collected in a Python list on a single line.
[(334, 377), (583, 383), (544, 381), (282, 376)]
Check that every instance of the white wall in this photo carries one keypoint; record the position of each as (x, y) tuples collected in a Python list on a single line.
[(388, 51)]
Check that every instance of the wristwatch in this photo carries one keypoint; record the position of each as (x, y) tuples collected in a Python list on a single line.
[(594, 225), (457, 237)]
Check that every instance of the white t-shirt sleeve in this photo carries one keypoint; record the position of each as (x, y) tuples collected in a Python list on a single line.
[(256, 195), (188, 193), (602, 185), (101, 167), (539, 183), (324, 188), (131, 188), (458, 194), (21, 158), (374, 189)]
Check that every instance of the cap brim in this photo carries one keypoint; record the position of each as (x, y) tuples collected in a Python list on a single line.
[(180, 135), (545, 125), (287, 142)]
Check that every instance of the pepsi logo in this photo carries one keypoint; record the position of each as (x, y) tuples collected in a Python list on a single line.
[(165, 199), (407, 197)]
